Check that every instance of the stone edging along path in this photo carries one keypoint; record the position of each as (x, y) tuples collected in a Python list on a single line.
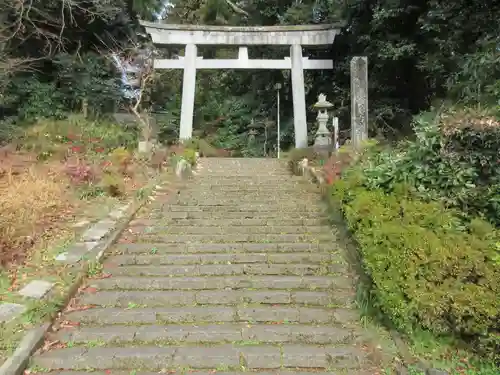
[(88, 250), (316, 176)]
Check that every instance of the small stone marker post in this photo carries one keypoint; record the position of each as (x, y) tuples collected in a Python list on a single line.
[(335, 125), (359, 100)]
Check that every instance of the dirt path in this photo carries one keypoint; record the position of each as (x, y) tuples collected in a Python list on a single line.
[(238, 272)]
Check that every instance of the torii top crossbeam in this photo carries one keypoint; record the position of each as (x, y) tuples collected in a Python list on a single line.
[(305, 35)]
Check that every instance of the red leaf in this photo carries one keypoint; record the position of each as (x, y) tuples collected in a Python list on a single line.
[(79, 308), (103, 276), (69, 324)]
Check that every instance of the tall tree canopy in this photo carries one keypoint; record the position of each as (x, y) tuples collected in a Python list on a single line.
[(418, 50)]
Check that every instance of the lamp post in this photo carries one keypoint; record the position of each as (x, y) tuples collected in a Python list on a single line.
[(278, 88)]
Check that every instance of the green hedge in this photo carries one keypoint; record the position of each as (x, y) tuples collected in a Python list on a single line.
[(454, 159), (427, 268)]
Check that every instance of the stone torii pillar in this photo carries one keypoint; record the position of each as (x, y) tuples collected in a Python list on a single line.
[(188, 91), (298, 96)]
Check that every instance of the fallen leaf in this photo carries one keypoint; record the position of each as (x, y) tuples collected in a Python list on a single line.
[(69, 324), (79, 308), (49, 344), (102, 276)]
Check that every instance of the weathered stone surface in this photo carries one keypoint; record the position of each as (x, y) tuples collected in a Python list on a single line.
[(119, 212), (295, 333), (239, 271), (217, 238), (99, 230), (9, 311), (166, 282), (359, 100), (209, 372), (139, 315), (303, 356), (283, 269), (154, 333), (269, 314), (248, 296), (154, 358), (81, 224), (36, 289), (134, 298), (207, 357), (77, 252), (261, 357), (174, 229)]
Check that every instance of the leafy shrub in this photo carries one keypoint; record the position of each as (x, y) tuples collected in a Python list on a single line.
[(159, 158), (454, 159), (121, 158), (427, 269), (298, 154), (80, 173), (205, 148), (112, 184), (473, 139), (345, 157), (189, 155), (477, 79), (77, 135)]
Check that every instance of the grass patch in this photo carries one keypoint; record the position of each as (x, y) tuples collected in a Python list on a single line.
[(38, 264)]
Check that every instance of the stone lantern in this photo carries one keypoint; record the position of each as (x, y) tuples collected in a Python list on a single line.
[(323, 139)]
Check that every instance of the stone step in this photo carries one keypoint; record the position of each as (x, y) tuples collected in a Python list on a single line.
[(252, 173), (227, 356), (220, 186), (251, 200), (236, 272), (166, 215), (245, 189), (214, 314), (222, 238), (201, 372), (251, 181), (237, 249), (262, 269), (227, 283), (231, 222), (221, 260), (237, 334), (160, 297), (281, 229), (213, 270), (256, 207)]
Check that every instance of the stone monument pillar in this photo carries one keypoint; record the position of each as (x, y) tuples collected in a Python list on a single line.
[(323, 139), (359, 100)]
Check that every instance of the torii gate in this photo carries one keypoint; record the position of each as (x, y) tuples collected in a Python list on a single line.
[(191, 36)]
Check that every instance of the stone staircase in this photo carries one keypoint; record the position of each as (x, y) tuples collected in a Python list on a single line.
[(237, 272)]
